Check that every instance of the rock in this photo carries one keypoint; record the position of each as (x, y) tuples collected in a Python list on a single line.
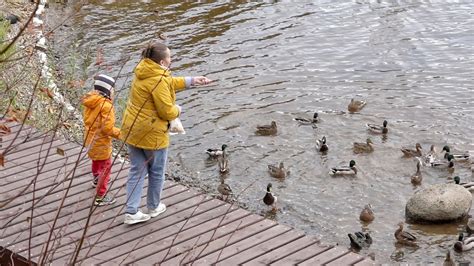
[(13, 19), (439, 203), (470, 226)]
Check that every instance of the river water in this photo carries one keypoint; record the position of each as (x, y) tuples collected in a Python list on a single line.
[(412, 61)]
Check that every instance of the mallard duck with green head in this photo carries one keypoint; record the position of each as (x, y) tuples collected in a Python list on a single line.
[(404, 237), (223, 163), (416, 178), (278, 171), (267, 130), (344, 170), (417, 152), (321, 144), (356, 105), (360, 147), (378, 129), (360, 240), (308, 121), (214, 153), (467, 243), (443, 164), (269, 198), (367, 214), (456, 156), (469, 186)]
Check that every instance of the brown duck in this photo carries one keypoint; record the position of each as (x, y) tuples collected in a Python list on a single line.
[(267, 130), (367, 214), (356, 106), (407, 152), (278, 171), (417, 177), (404, 237), (366, 147)]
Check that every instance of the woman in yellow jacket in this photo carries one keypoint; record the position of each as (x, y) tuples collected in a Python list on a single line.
[(150, 108)]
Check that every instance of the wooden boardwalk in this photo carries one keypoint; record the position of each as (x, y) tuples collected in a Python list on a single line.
[(195, 229)]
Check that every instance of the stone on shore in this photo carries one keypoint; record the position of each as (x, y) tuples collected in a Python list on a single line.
[(439, 203)]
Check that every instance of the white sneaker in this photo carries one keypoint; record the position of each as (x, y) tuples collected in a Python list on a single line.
[(161, 209), (138, 217)]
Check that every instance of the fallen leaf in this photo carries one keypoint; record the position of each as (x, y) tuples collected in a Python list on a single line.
[(60, 151), (2, 160), (47, 92), (4, 130)]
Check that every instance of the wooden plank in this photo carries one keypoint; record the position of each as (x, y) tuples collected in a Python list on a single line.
[(282, 251), (325, 257), (168, 228), (302, 254), (15, 149), (186, 241), (217, 244), (262, 248), (348, 259), (108, 217)]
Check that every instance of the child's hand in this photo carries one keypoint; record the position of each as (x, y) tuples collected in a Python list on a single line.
[(201, 80)]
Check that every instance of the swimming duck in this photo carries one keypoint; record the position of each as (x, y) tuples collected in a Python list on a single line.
[(307, 121), (430, 157), (223, 162), (360, 147), (224, 189), (269, 199), (360, 240), (278, 171), (214, 153), (344, 170), (404, 237), (464, 245), (417, 177), (448, 261), (457, 156), (377, 128), (442, 164), (356, 106), (407, 152), (266, 130), (321, 144), (469, 186), (367, 214)]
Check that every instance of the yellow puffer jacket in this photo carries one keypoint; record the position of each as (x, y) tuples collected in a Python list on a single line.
[(150, 106), (99, 120)]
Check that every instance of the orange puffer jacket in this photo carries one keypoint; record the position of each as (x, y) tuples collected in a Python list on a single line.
[(99, 121)]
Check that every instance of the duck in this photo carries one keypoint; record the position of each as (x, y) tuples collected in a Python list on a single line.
[(442, 164), (456, 156), (278, 171), (360, 147), (407, 152), (377, 128), (321, 144), (344, 170), (214, 153), (416, 178), (307, 121), (469, 186), (464, 245), (269, 198), (223, 163), (448, 261), (224, 189), (356, 106), (404, 237), (367, 214), (430, 157), (360, 240), (266, 130)]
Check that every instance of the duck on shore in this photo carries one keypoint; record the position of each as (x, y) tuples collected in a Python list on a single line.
[(224, 189)]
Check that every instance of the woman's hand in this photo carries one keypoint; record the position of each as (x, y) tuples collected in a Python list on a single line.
[(201, 80)]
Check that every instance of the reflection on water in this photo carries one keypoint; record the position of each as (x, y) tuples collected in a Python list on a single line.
[(411, 60)]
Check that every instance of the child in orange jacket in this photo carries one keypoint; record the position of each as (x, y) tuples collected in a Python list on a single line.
[(99, 121)]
